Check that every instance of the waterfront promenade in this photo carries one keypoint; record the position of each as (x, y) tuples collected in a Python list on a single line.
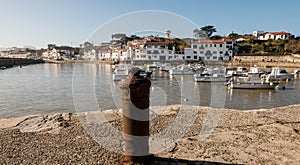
[(263, 136)]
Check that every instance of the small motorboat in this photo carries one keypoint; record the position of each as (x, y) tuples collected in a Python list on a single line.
[(182, 70)]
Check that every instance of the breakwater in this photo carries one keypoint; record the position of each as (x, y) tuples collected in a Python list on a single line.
[(11, 62)]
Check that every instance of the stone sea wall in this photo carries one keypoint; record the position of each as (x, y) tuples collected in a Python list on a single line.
[(11, 62)]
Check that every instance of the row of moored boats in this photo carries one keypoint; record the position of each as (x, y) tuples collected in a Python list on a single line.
[(233, 77)]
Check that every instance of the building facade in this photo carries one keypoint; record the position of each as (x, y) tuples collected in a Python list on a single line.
[(209, 50), (284, 35)]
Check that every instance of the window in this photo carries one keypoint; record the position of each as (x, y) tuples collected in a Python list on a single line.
[(215, 57), (155, 56), (201, 52), (149, 46), (195, 57), (207, 58), (195, 52), (155, 52), (206, 45), (194, 46), (208, 53), (148, 51), (214, 52), (210, 45), (215, 45), (155, 46), (221, 52), (188, 57), (162, 51), (221, 45)]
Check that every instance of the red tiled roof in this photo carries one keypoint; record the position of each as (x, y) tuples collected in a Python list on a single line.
[(280, 33), (157, 43), (213, 41)]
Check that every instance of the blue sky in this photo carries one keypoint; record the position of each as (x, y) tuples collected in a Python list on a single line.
[(71, 22)]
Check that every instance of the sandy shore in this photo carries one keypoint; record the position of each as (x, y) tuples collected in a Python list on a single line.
[(243, 137)]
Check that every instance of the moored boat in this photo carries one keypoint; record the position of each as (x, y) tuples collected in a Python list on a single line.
[(252, 81), (120, 72), (182, 70), (212, 75), (280, 73), (166, 67)]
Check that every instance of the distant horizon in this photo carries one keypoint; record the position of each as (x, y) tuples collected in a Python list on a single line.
[(37, 23)]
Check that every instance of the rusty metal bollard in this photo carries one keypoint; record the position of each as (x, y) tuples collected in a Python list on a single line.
[(135, 92)]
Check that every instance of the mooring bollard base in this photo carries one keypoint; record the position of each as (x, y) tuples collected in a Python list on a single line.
[(142, 160)]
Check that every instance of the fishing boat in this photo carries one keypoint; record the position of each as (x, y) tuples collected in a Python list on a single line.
[(166, 67), (145, 74), (120, 72), (154, 65), (212, 75), (280, 73), (182, 70), (255, 79), (252, 81)]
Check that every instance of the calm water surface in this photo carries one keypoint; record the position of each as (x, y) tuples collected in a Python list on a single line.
[(49, 88)]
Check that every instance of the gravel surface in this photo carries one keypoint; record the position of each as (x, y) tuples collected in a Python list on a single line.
[(240, 137)]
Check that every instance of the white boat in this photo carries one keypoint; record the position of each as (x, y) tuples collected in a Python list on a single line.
[(181, 70), (252, 81), (241, 70), (121, 71), (154, 65), (280, 73), (256, 70), (166, 67), (145, 74), (212, 75)]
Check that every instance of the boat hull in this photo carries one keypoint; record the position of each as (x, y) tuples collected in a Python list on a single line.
[(54, 61), (211, 79), (244, 85)]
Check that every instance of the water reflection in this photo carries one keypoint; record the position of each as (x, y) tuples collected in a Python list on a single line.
[(47, 88)]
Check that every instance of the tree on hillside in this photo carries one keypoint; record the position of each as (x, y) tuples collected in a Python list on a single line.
[(118, 36), (233, 36), (216, 37), (200, 34), (205, 30), (209, 29)]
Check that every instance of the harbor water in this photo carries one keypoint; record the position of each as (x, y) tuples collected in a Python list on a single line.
[(72, 87)]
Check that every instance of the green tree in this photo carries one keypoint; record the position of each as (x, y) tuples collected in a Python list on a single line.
[(209, 29), (200, 34), (233, 36), (216, 37), (118, 36)]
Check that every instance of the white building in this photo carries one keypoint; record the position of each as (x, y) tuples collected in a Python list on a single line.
[(275, 35), (51, 54), (155, 51), (209, 50), (256, 33)]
